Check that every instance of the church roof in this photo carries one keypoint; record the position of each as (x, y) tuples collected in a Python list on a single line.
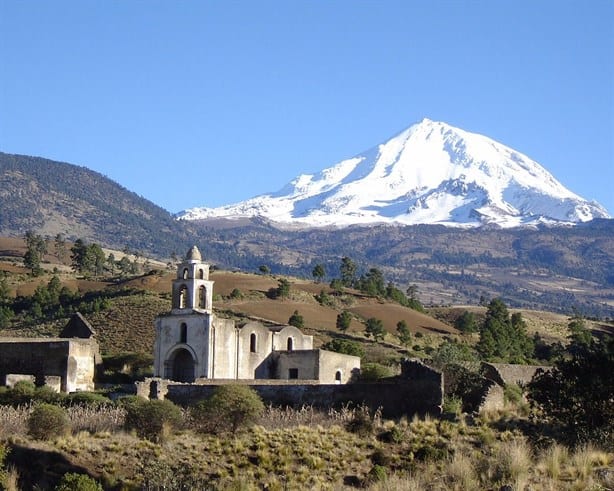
[(77, 327), (193, 254)]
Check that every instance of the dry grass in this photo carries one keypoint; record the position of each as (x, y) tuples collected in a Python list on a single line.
[(307, 448)]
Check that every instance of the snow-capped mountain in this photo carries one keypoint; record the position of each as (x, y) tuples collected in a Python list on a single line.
[(429, 173)]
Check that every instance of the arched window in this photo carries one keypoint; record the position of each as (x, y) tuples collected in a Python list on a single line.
[(183, 333), (201, 274), (183, 297), (202, 297), (338, 377), (185, 273), (252, 342), (290, 343)]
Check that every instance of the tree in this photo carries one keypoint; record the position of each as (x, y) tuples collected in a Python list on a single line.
[(375, 327), (372, 283), (229, 408), (344, 319), (296, 320), (264, 269), (95, 259), (578, 333), (283, 288), (412, 292), (344, 346), (318, 272), (502, 338), (78, 256), (5, 291), (111, 263), (36, 248), (348, 272), (59, 246), (466, 322), (578, 393), (125, 266), (403, 333)]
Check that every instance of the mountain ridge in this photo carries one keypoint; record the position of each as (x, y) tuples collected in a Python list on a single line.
[(429, 173)]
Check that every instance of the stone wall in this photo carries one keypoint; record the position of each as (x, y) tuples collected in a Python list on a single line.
[(74, 361), (505, 373), (419, 390)]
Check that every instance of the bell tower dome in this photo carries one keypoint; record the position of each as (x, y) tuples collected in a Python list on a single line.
[(192, 289)]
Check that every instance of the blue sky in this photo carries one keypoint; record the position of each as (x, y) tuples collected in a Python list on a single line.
[(204, 103)]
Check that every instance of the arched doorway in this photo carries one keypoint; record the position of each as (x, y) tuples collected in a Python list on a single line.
[(183, 366)]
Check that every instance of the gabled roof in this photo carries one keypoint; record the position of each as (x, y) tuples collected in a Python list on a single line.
[(77, 327)]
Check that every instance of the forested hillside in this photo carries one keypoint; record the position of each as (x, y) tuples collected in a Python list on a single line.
[(54, 197)]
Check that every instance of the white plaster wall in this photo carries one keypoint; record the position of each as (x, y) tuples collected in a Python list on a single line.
[(300, 341), (224, 349), (252, 365), (81, 365), (305, 361), (168, 341), (331, 362)]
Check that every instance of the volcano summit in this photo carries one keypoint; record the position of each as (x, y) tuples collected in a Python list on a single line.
[(430, 173)]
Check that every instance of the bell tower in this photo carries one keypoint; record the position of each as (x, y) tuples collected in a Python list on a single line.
[(192, 289)]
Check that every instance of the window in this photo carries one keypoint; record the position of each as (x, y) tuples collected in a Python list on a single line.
[(183, 333), (338, 377), (252, 342), (185, 273), (201, 274), (183, 297), (290, 344), (293, 373), (202, 297)]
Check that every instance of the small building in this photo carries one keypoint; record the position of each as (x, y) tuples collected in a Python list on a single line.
[(67, 364), (193, 343)]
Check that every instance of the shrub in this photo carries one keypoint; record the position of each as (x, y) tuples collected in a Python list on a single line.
[(87, 399), (47, 421), (345, 346), (374, 371), (512, 393), (377, 474), (362, 423), (229, 408), (78, 482), (151, 419), (577, 393)]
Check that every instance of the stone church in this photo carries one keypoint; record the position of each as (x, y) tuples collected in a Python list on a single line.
[(192, 343)]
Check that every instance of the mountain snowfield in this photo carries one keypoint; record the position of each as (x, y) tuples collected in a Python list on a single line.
[(431, 173)]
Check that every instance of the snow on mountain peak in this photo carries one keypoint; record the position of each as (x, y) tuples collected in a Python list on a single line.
[(429, 173)]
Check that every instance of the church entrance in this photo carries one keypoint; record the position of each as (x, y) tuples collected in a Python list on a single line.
[(183, 366)]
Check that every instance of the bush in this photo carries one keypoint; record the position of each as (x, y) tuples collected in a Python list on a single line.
[(47, 421), (577, 393), (345, 346), (151, 419), (370, 372), (228, 409), (78, 482), (377, 474), (87, 399), (362, 423)]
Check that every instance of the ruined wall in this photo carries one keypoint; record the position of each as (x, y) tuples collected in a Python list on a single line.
[(74, 361), (419, 391), (506, 373)]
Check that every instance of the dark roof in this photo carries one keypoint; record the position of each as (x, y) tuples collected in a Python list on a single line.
[(77, 327)]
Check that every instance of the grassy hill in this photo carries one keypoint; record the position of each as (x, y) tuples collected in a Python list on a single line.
[(126, 323)]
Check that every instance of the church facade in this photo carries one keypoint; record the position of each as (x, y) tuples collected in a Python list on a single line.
[(193, 343)]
